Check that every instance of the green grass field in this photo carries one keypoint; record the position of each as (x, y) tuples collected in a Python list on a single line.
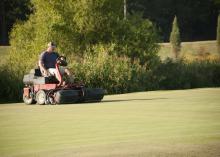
[(161, 123), (199, 50)]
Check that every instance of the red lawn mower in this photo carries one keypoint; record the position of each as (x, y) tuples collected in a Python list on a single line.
[(49, 90)]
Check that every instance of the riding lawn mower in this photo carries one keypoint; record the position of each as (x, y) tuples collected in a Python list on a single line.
[(52, 90)]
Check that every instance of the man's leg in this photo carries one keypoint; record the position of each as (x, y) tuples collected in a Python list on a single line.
[(44, 73), (66, 71), (53, 72), (63, 71)]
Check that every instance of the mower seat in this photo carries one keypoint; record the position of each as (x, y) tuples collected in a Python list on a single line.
[(35, 77), (36, 72)]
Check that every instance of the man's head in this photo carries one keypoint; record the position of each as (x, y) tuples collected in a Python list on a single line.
[(51, 47)]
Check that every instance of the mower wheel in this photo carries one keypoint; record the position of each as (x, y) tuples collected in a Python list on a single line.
[(93, 94), (28, 101), (41, 97)]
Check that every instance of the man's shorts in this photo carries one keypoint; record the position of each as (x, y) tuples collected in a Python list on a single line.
[(53, 71)]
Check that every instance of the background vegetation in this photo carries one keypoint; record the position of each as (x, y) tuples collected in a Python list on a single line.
[(197, 18), (191, 51), (218, 34), (175, 38), (103, 49)]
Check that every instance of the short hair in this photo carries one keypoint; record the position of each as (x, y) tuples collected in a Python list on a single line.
[(51, 44)]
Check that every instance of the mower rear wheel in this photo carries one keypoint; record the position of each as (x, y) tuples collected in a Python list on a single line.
[(41, 97), (93, 94), (28, 101)]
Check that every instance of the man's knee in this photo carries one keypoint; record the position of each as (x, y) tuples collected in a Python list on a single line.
[(67, 71), (52, 71)]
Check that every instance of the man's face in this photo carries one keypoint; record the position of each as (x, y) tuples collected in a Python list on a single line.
[(51, 49)]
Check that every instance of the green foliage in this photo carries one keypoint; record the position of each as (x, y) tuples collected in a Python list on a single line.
[(11, 85), (78, 25), (118, 75), (218, 34), (83, 29), (103, 49), (136, 38), (175, 38), (196, 18), (99, 69), (184, 75), (113, 73), (75, 24)]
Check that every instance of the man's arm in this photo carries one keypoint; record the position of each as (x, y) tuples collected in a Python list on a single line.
[(41, 65)]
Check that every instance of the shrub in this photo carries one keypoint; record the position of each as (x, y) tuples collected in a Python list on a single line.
[(113, 73), (11, 86), (218, 34), (184, 75), (119, 75), (175, 38)]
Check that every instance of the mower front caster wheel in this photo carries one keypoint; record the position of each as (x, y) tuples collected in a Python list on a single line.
[(41, 97), (28, 101)]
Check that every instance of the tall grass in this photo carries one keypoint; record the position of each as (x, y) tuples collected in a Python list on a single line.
[(191, 51), (11, 85)]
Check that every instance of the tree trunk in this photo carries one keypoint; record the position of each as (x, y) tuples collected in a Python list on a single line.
[(125, 10)]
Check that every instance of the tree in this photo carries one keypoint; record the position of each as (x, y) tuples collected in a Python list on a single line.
[(10, 12), (79, 25), (175, 38), (218, 34), (196, 18), (125, 9)]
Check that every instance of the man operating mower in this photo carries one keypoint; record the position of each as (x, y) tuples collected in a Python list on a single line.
[(47, 61), (45, 90)]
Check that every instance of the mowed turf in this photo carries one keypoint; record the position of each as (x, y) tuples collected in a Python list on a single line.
[(160, 123)]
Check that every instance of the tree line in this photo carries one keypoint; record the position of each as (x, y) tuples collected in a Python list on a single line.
[(197, 19)]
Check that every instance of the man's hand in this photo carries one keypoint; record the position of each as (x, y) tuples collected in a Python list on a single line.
[(45, 73), (43, 70)]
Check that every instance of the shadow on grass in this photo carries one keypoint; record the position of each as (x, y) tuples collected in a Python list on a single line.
[(107, 101), (9, 101), (103, 101), (92, 102)]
